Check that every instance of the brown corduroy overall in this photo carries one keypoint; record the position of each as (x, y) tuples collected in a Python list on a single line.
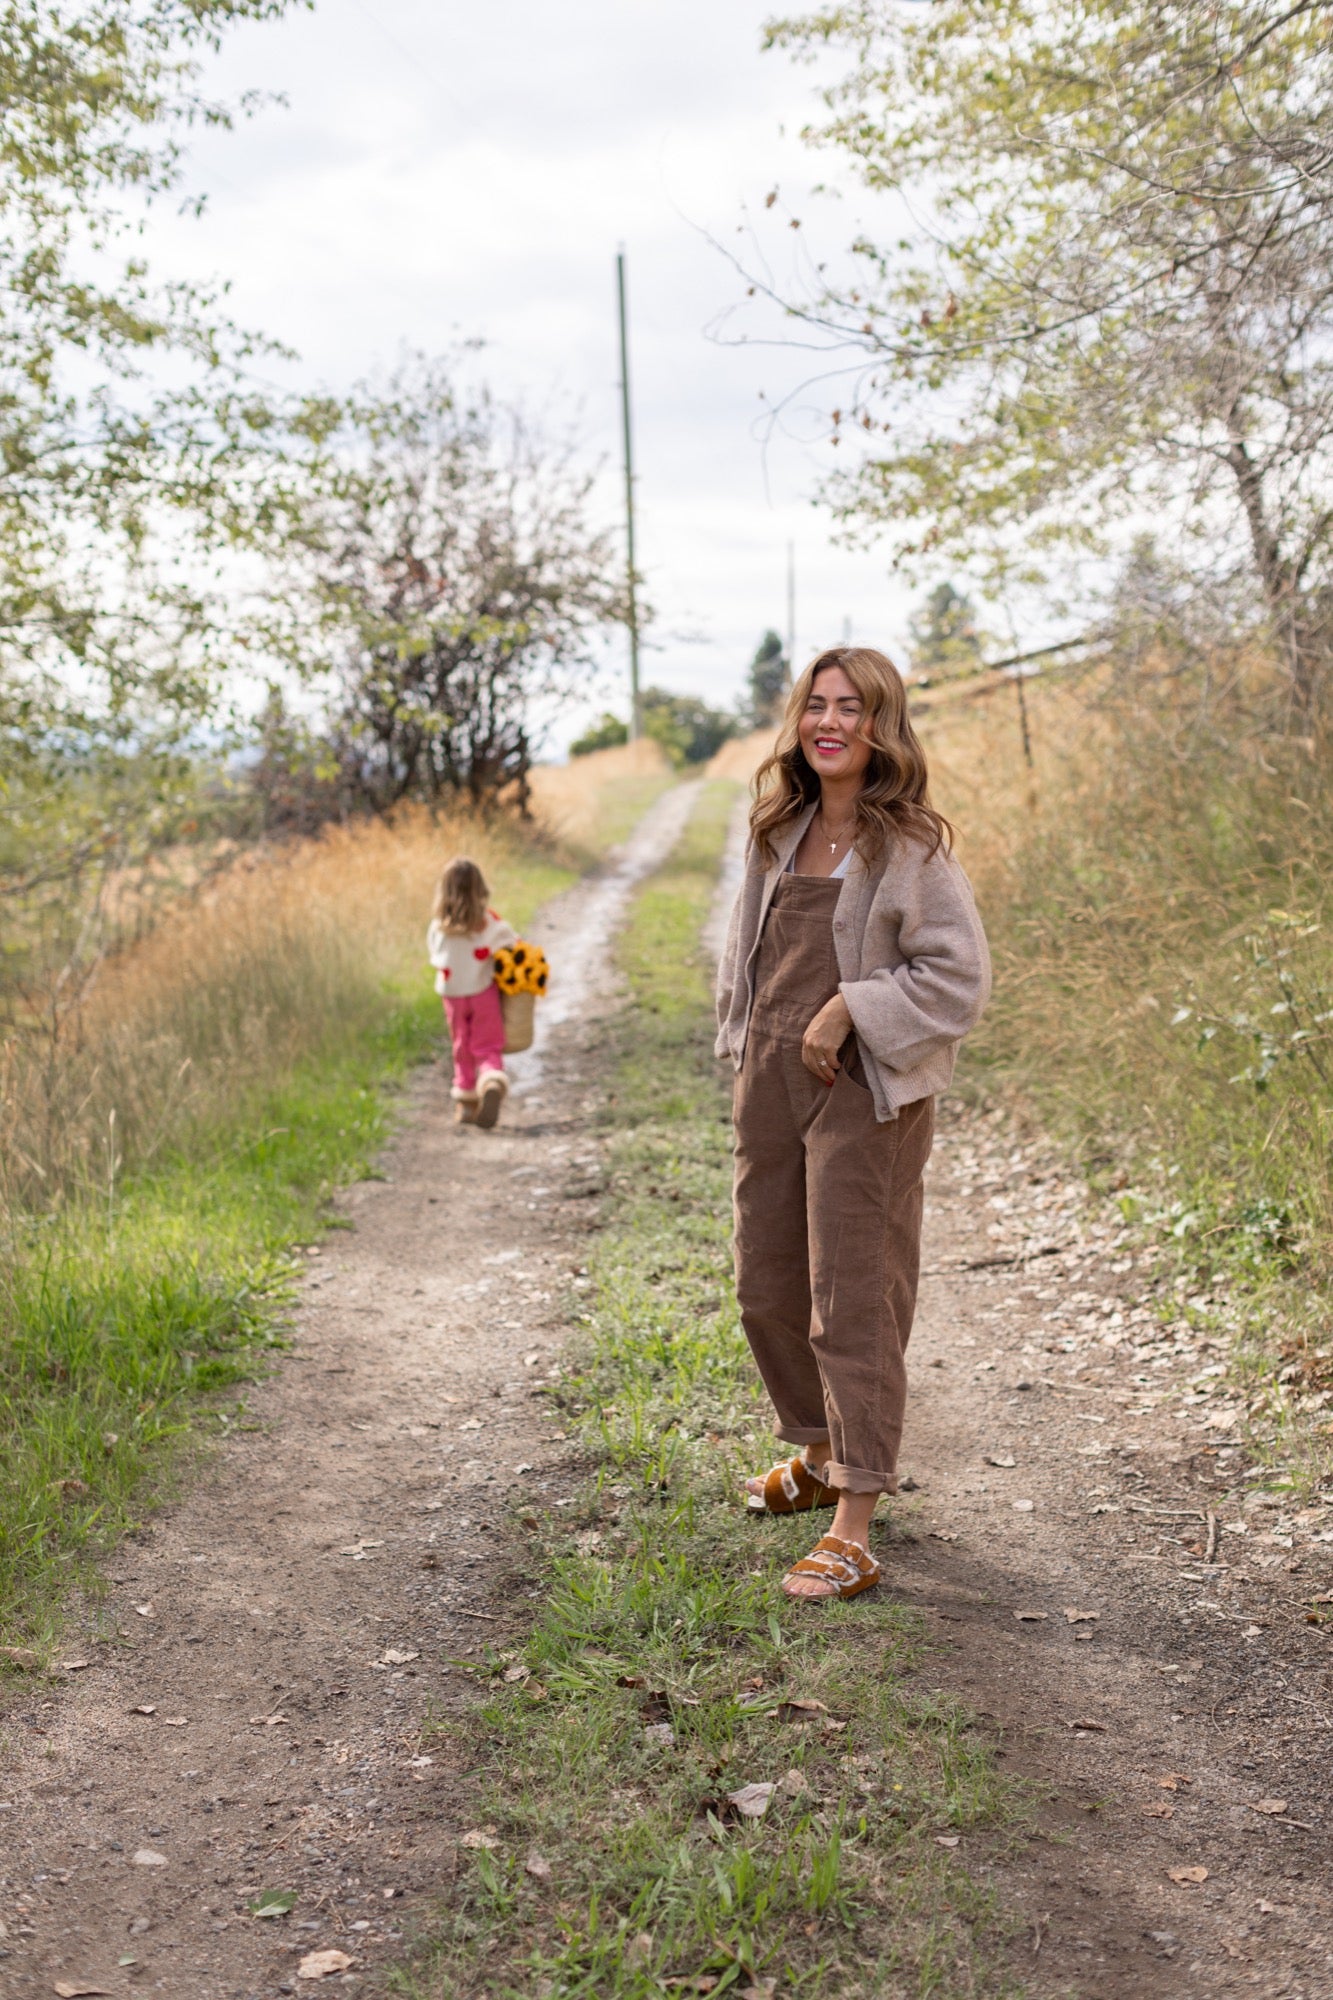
[(828, 1211)]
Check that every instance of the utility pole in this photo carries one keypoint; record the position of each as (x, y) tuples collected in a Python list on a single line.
[(791, 613), (631, 580)]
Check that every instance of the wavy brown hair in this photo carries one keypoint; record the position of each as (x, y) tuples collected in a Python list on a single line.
[(461, 898), (894, 798)]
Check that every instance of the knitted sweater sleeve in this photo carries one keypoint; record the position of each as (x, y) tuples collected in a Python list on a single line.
[(907, 1011)]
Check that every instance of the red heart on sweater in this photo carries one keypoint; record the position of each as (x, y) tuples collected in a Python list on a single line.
[(481, 951), (446, 972)]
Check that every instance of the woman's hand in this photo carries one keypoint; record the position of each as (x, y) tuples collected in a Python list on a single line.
[(824, 1037)]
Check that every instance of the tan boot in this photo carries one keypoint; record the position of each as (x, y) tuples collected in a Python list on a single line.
[(465, 1111), (492, 1089)]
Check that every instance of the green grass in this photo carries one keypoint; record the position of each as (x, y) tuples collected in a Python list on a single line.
[(664, 1607), (128, 1323)]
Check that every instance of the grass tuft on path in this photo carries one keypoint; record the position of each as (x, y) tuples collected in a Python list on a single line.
[(665, 1668)]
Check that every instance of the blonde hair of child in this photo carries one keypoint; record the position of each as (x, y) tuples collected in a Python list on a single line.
[(462, 898)]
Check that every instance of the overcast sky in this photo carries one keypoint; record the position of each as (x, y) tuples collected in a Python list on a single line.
[(441, 170)]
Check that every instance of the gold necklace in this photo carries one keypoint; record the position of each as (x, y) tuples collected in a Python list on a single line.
[(834, 845)]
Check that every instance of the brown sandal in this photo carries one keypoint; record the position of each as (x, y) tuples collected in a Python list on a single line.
[(791, 1488), (846, 1566)]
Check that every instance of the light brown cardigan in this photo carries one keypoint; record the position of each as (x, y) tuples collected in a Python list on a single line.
[(911, 952)]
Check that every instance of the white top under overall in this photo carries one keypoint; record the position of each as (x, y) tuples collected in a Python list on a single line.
[(463, 964), (834, 875)]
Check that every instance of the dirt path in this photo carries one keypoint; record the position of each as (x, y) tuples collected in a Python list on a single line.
[(1124, 1604), (245, 1710), (258, 1676)]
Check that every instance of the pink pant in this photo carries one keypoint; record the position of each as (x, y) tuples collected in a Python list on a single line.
[(478, 1030)]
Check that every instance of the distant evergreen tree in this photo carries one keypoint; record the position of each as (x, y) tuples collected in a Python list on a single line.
[(769, 679)]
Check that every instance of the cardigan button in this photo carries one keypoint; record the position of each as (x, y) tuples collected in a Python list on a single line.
[(839, 924)]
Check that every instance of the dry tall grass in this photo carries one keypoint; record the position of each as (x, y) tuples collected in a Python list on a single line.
[(1156, 884), (741, 757), (284, 955), (278, 956), (582, 803)]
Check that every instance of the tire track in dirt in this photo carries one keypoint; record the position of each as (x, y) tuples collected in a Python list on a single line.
[(249, 1714)]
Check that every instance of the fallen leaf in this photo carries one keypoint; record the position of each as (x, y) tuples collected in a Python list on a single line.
[(799, 1710), (1083, 1722), (267, 1721), (1188, 1874), (175, 1721), (21, 1657), (1264, 1907), (74, 1666), (1031, 1617), (110, 1439), (397, 1656), (538, 1867), (148, 1857), (660, 1733), (69, 1991), (1173, 1781), (1162, 1810), (794, 1783), (472, 1424), (943, 1535), (319, 1964), (1074, 1617), (516, 1673), (1004, 1459), (1270, 1806), (144, 1610), (272, 1903), (357, 1550), (947, 1839), (1024, 1506), (631, 1681), (752, 1800), (144, 1708), (476, 1838), (762, 1989), (525, 1467)]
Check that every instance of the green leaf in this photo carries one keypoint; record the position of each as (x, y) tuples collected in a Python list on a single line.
[(272, 1903)]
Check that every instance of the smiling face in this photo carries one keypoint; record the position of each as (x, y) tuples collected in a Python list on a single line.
[(829, 729)]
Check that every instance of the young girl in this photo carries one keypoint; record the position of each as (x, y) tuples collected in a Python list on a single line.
[(855, 964), (464, 933)]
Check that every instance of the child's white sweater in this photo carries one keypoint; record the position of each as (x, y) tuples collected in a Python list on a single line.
[(463, 964)]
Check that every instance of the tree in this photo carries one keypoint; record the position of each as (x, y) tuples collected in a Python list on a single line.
[(608, 734), (944, 632), (687, 728), (769, 679), (1116, 299), (94, 451), (444, 559)]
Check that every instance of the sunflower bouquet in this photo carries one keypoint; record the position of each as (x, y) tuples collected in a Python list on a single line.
[(521, 973)]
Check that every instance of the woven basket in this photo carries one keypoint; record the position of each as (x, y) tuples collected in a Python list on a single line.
[(519, 1017)]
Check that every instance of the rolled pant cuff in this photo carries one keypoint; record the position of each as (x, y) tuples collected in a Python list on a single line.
[(801, 1433), (856, 1479)]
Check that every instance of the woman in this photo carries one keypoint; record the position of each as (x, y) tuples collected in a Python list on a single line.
[(854, 965)]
